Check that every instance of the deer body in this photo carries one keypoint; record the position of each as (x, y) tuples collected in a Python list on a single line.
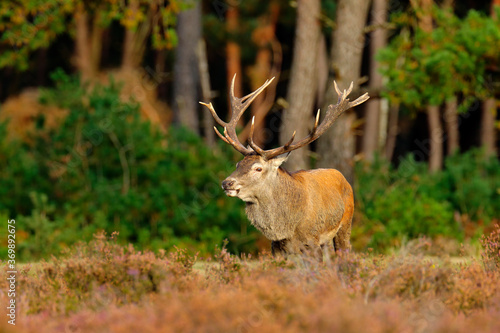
[(304, 209), (296, 211)]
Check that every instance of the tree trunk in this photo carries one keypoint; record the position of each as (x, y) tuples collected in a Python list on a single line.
[(435, 128), (301, 92), (450, 116), (392, 132), (488, 135), (336, 148), (451, 125), (134, 44), (233, 54), (206, 92), (128, 62), (129, 59), (373, 105), (489, 112), (263, 36), (96, 43), (83, 54), (268, 95), (322, 63), (436, 138), (186, 73)]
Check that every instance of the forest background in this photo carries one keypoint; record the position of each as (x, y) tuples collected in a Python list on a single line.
[(101, 127)]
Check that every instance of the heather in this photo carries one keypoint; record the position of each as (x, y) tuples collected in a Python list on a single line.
[(102, 286)]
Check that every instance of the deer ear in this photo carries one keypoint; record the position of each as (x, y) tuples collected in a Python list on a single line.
[(277, 161)]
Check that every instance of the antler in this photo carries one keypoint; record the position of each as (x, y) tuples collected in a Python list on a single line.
[(238, 107), (332, 113)]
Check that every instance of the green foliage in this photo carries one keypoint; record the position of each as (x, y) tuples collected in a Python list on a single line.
[(28, 25), (106, 168), (408, 202), (428, 67)]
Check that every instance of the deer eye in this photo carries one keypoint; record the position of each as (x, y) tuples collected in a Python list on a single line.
[(258, 169)]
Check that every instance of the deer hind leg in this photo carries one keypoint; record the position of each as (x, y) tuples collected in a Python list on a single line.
[(326, 250), (341, 241), (278, 248)]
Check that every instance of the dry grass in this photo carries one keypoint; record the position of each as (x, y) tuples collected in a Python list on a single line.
[(102, 287)]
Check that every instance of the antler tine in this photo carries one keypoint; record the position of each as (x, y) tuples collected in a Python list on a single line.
[(336, 88), (350, 89), (229, 136), (235, 116), (233, 141), (256, 92), (316, 122), (252, 144), (288, 144), (214, 114), (239, 105), (220, 135), (360, 100)]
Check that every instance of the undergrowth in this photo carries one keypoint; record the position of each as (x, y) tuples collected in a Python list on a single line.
[(103, 287)]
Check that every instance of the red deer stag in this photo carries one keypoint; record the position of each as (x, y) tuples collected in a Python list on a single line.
[(299, 210)]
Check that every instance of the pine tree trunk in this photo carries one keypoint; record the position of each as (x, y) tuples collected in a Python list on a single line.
[(489, 111), (206, 92), (129, 61), (436, 138), (268, 96), (96, 43), (301, 92), (263, 36), (451, 125), (451, 111), (433, 118), (488, 135), (83, 54), (233, 54), (322, 65), (134, 44), (373, 105), (336, 148), (392, 131), (186, 72)]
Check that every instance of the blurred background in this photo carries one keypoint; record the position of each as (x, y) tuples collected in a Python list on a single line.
[(100, 126)]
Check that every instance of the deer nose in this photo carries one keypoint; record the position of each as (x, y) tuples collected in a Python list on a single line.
[(227, 184)]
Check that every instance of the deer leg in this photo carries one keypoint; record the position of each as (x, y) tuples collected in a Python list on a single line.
[(326, 250), (341, 240), (278, 248)]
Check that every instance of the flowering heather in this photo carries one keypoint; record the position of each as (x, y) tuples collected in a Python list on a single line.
[(103, 287)]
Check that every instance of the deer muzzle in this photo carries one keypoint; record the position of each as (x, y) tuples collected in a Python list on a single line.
[(228, 185)]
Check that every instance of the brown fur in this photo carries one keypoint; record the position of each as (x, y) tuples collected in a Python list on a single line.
[(297, 211)]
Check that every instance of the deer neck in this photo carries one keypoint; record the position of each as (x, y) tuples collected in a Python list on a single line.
[(276, 210)]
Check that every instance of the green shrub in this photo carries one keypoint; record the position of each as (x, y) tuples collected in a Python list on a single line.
[(401, 203)]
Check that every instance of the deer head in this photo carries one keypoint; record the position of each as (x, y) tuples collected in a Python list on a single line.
[(260, 164)]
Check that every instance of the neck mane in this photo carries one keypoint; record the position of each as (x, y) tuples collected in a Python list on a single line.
[(271, 212)]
